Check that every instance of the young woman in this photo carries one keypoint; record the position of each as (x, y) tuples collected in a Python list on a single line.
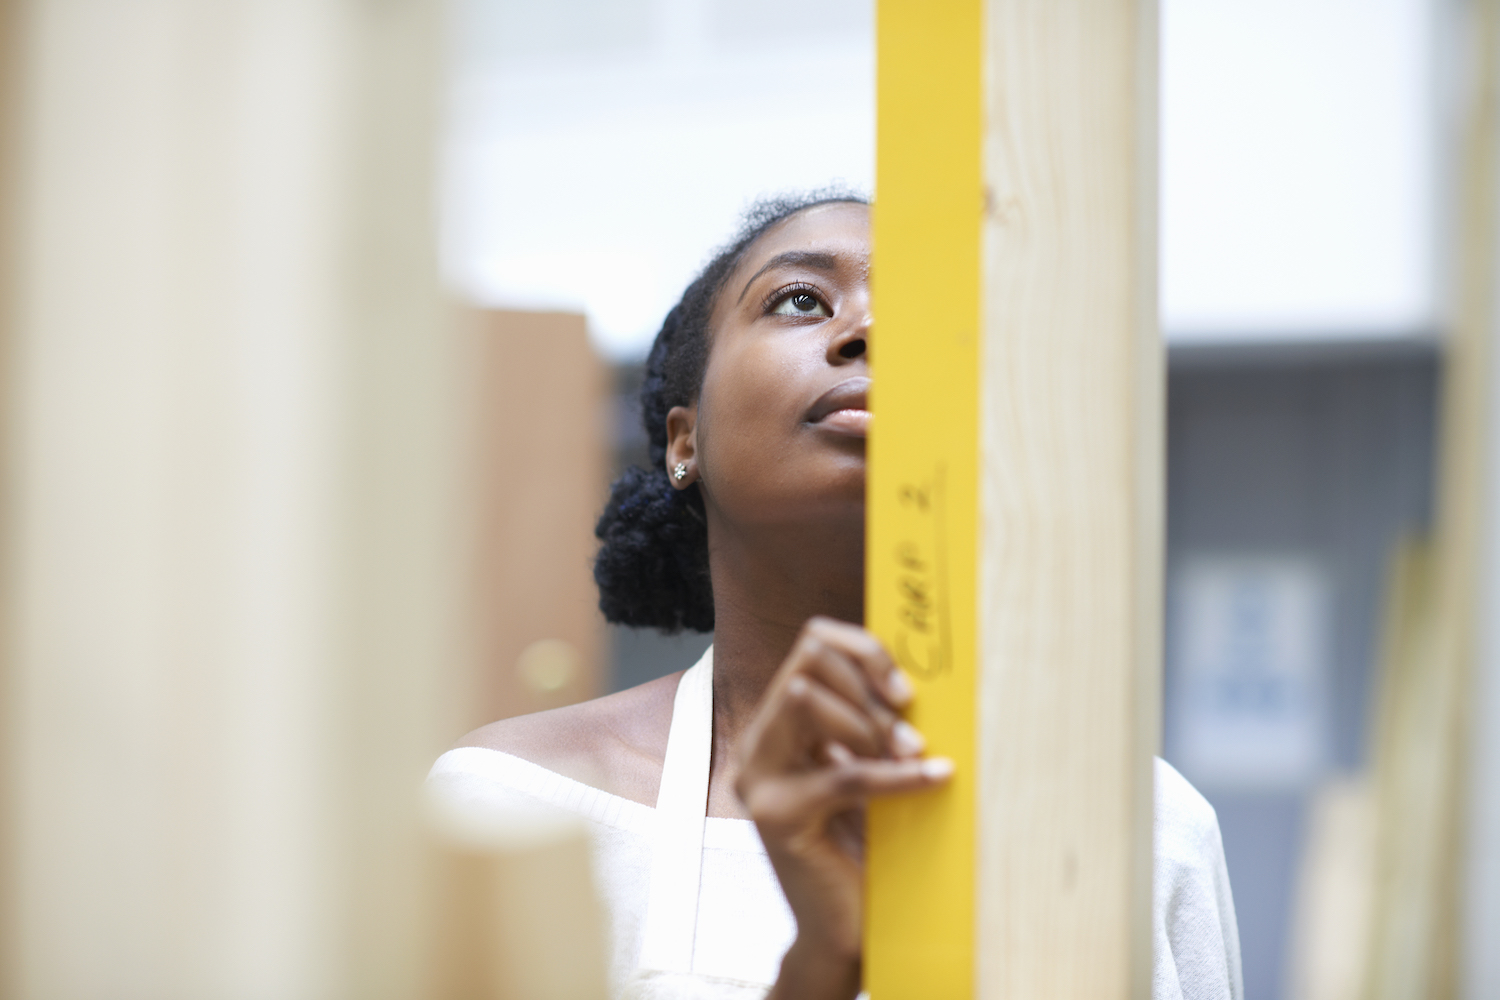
[(727, 802)]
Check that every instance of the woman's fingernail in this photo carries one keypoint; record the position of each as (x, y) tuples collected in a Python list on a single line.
[(908, 741), (900, 688), (937, 767)]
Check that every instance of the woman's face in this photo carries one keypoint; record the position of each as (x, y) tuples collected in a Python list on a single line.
[(778, 436)]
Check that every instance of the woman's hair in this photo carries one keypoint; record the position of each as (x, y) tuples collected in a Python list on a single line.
[(652, 567)]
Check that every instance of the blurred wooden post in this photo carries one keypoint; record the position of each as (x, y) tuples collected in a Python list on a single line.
[(541, 476), (1475, 885), (1423, 739), (1330, 927), (232, 571), (1015, 242), (523, 917), (11, 47)]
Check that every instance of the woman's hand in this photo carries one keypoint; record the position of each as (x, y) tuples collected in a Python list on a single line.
[(825, 738)]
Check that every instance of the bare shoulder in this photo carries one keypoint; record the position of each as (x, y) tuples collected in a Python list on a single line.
[(615, 743)]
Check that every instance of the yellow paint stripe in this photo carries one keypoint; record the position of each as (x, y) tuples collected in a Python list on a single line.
[(921, 572)]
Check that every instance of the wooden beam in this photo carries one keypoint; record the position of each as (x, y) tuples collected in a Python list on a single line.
[(230, 576), (1073, 500), (540, 477), (522, 917), (1422, 739), (11, 50), (1019, 420), (1473, 886)]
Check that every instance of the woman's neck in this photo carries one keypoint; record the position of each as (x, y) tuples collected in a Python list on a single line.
[(764, 591)]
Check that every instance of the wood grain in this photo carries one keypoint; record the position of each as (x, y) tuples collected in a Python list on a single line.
[(1072, 501)]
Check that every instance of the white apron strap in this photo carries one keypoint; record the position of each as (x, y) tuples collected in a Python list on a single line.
[(681, 808)]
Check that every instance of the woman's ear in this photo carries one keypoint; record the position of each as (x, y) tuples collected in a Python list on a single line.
[(682, 446)]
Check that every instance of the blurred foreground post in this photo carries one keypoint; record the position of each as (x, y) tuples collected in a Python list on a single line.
[(1478, 890), (522, 920), (1018, 386), (1442, 644), (231, 645)]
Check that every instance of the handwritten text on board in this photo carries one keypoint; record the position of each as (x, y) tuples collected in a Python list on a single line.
[(923, 641)]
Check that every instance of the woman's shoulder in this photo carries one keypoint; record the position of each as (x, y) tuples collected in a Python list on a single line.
[(1197, 944), (615, 743), (1187, 828)]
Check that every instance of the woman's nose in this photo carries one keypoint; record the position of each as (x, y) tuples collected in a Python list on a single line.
[(851, 342)]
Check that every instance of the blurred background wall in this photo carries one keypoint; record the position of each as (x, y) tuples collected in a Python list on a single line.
[(1293, 472)]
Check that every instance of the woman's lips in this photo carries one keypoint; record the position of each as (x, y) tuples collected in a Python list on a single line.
[(844, 409), (847, 421)]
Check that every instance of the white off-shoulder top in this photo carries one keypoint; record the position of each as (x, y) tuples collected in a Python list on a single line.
[(695, 908)]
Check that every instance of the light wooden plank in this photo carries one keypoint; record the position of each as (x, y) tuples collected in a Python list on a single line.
[(1015, 239), (522, 917), (1422, 734), (11, 49), (230, 571), (1072, 501)]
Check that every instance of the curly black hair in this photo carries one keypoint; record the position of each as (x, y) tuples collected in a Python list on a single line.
[(652, 567)]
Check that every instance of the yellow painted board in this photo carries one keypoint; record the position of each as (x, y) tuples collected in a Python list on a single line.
[(922, 501)]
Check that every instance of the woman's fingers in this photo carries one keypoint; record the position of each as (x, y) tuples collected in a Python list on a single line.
[(846, 783), (839, 672), (868, 654), (852, 782), (833, 687), (829, 726), (819, 716)]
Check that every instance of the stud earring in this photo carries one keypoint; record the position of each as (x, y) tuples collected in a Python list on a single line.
[(680, 473)]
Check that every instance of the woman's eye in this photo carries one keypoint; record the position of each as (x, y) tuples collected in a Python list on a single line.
[(800, 304)]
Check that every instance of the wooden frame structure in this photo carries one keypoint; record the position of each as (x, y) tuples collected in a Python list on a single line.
[(1014, 548)]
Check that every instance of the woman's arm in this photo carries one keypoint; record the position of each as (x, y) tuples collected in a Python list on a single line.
[(827, 736)]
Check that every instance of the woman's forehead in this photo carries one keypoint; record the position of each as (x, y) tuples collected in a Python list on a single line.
[(840, 227)]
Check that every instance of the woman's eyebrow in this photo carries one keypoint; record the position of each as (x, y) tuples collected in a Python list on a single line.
[(816, 259)]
